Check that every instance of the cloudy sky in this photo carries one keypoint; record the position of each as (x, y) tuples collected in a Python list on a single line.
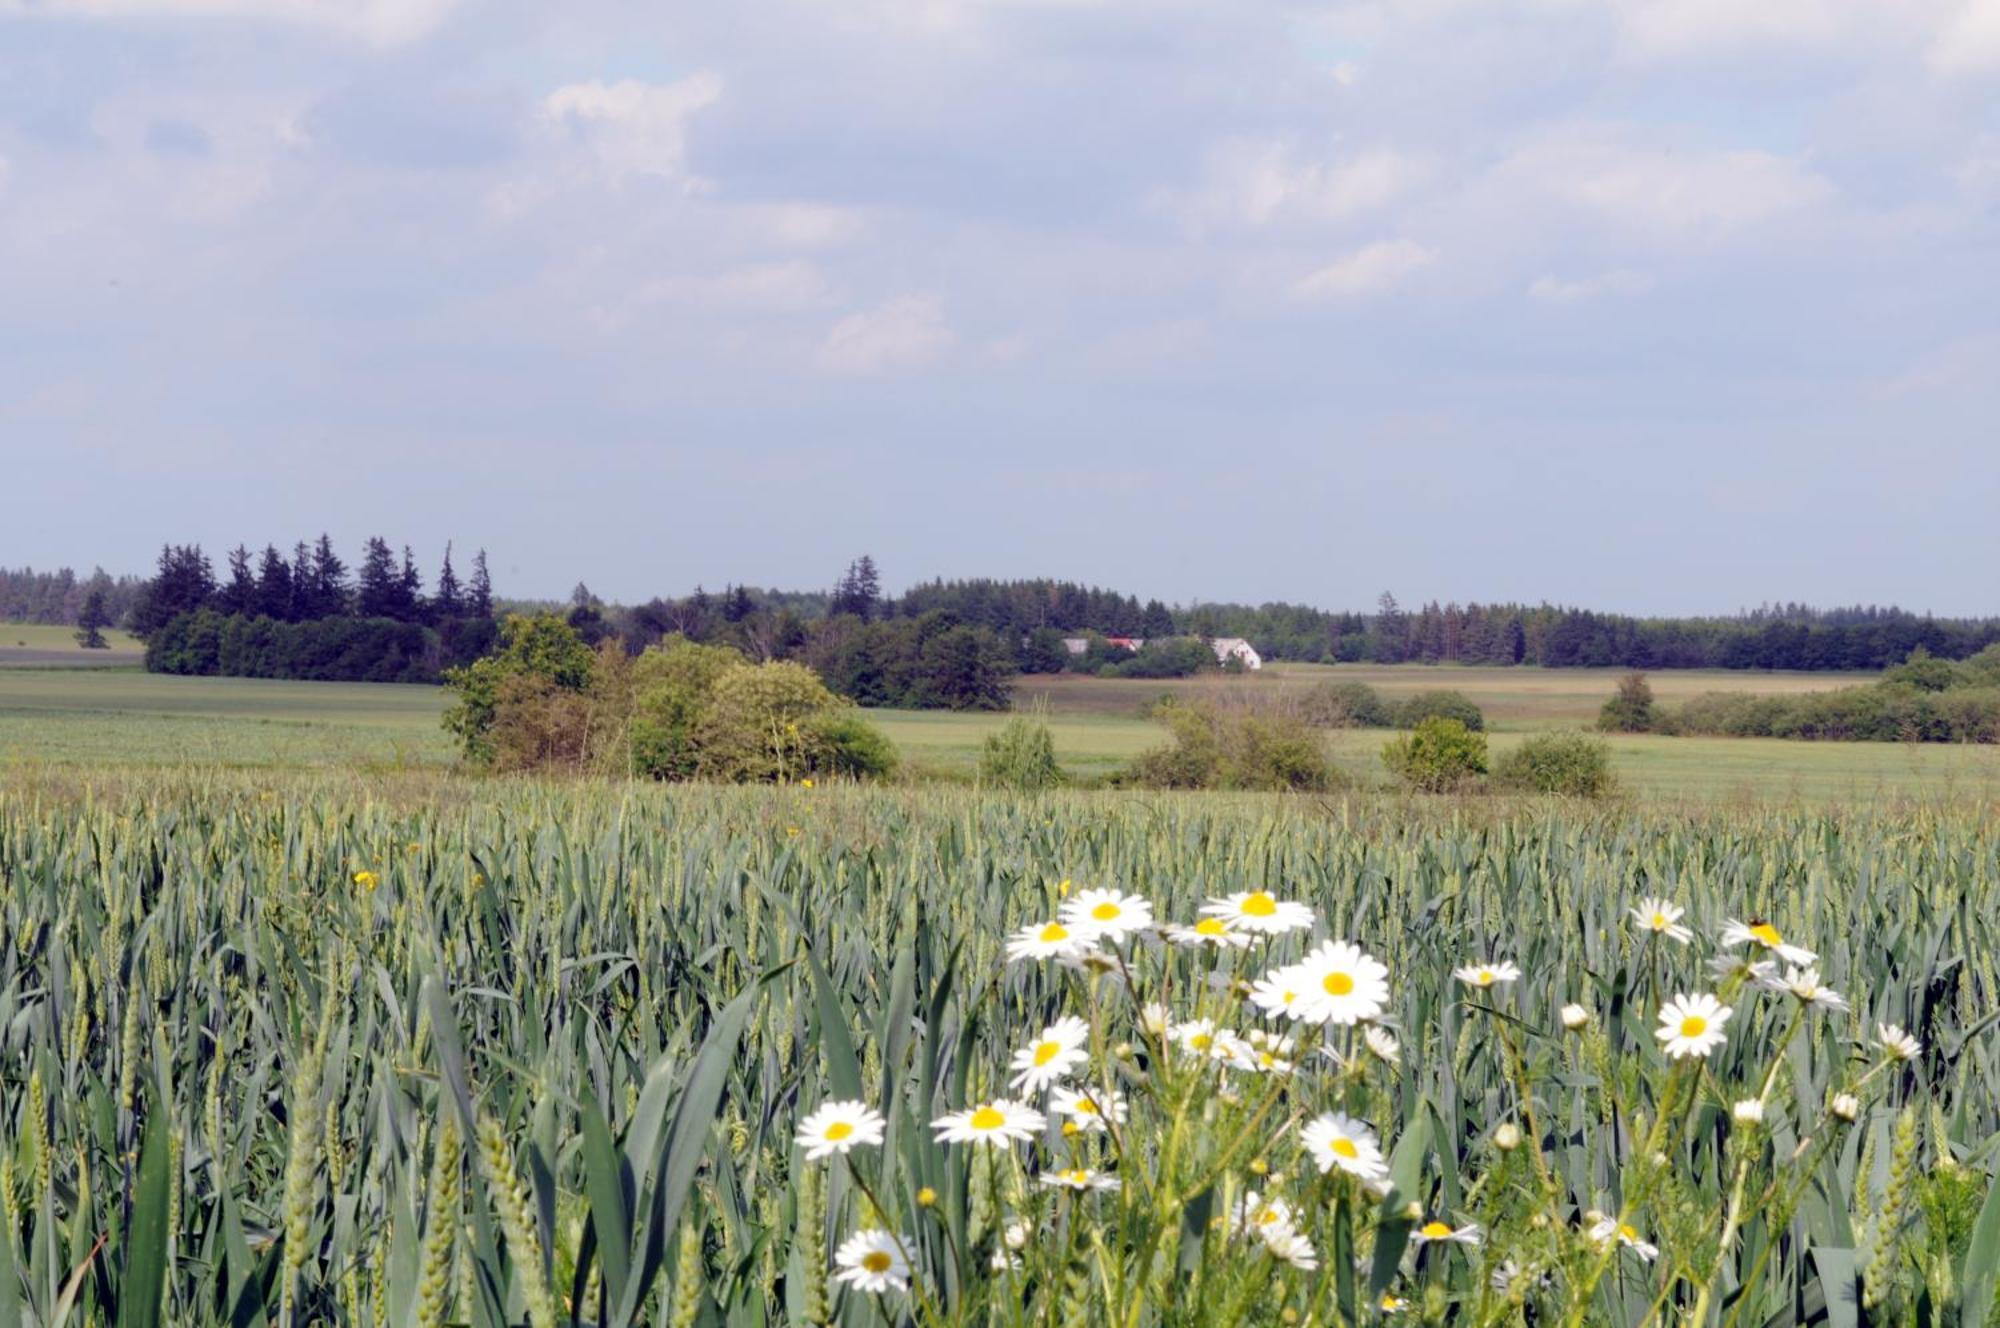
[(1665, 305)]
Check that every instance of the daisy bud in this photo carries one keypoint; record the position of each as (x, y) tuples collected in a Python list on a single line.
[(1575, 1018), (1017, 1235), (1414, 1211), (1123, 1051), (1508, 1137), (1750, 1111), (1846, 1106), (1288, 1315)]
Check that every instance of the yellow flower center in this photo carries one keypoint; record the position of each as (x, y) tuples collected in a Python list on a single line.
[(1338, 984), (1211, 927), (1659, 922), (875, 1261), (1047, 1051), (986, 1118), (1435, 1230), (1260, 905), (1768, 934), (1085, 1107), (1201, 1041), (1485, 977), (1693, 1026), (1052, 933), (1106, 911), (837, 1131), (1342, 1146), (1626, 1232), (1077, 1177)]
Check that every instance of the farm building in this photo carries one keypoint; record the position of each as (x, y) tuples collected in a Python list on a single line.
[(1235, 647)]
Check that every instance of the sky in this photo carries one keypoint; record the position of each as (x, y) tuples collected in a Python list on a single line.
[(1660, 306)]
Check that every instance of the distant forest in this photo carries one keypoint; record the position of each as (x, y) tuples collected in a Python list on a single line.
[(299, 615), (302, 614)]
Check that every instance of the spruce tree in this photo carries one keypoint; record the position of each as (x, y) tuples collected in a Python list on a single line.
[(479, 604), (410, 586), (274, 585), (240, 595), (380, 584), (329, 582), (91, 621), (448, 603)]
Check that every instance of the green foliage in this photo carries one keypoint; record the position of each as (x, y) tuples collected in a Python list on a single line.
[(765, 723), (210, 644), (1346, 705), (1170, 657), (539, 647), (1923, 672), (1218, 747), (1567, 764), (1440, 756), (1874, 713), (1021, 756), (671, 685), (1631, 709), (554, 1008), (1441, 704)]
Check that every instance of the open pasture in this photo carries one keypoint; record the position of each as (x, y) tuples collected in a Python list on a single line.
[(320, 1050), (38, 645)]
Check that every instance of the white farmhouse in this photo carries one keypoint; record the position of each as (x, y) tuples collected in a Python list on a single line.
[(1235, 647)]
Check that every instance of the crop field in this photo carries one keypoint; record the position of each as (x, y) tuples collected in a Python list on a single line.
[(324, 1049), (37, 645)]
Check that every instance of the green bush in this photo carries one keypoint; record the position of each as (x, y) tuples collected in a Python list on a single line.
[(1440, 756), (764, 724), (1440, 705), (1217, 748), (670, 688), (852, 747), (1022, 755), (1631, 709), (1345, 705), (1567, 764)]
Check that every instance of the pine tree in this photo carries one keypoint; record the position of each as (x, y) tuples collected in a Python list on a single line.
[(479, 604), (240, 595), (329, 582), (1157, 621), (859, 592), (738, 605), (380, 584), (448, 603), (410, 600), (91, 621), (274, 585)]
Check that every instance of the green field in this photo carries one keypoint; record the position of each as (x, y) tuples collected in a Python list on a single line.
[(105, 718), (419, 1050), (37, 645)]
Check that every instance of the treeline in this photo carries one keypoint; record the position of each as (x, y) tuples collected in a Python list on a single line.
[(57, 598), (302, 616), (1926, 699)]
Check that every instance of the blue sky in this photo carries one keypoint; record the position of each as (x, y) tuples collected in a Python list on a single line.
[(1659, 305)]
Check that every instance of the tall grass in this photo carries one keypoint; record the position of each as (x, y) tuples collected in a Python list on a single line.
[(303, 1054)]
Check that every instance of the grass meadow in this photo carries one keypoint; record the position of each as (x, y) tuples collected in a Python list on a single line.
[(410, 1049)]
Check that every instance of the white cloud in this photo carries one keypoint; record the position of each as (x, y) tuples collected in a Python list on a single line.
[(633, 128), (804, 225), (1369, 269), (1685, 27), (1261, 182), (1557, 290), (381, 22), (906, 333), (1657, 188), (1970, 41)]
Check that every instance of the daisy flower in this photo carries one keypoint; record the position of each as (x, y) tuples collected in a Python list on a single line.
[(1293, 1248), (1764, 934), (1342, 984), (1805, 985), (1281, 991), (872, 1261), (1338, 1140), (1662, 918), (839, 1126), (1260, 1216), (1382, 1043), (1750, 1111), (1486, 975), (1392, 1304), (1610, 1228), (1109, 914), (1435, 1232), (1692, 1025), (1051, 1056), (1079, 1178), (1083, 1109), (1900, 1045), (1270, 1053), (1208, 931), (1089, 961), (1259, 911), (1846, 1106), (994, 1123), (1048, 940), (1576, 1018)]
